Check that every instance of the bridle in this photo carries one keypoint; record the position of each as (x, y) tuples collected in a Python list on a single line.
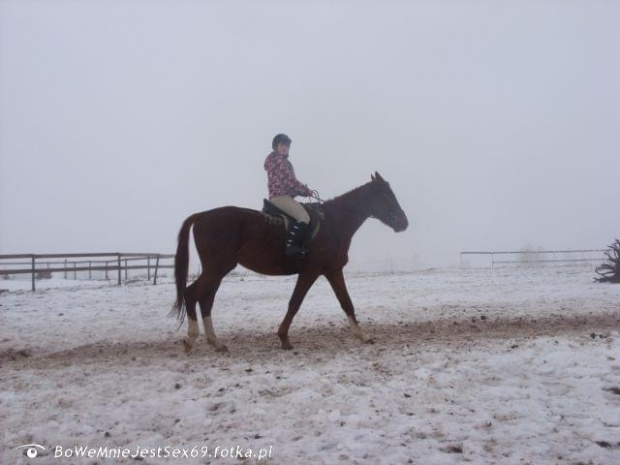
[(392, 217), (315, 195)]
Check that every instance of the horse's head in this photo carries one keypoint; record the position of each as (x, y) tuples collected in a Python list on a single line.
[(384, 206)]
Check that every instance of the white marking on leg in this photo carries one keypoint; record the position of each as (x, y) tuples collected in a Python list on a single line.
[(210, 333), (357, 331), (192, 333)]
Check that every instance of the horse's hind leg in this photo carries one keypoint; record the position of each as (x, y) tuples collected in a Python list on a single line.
[(207, 298), (192, 320)]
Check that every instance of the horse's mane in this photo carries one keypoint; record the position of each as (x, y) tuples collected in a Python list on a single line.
[(347, 197)]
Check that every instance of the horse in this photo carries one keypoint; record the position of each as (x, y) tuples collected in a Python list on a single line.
[(228, 236)]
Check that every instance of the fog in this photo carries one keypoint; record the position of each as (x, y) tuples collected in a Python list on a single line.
[(496, 123)]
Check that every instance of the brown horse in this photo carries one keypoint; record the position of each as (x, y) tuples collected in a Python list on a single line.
[(228, 236)]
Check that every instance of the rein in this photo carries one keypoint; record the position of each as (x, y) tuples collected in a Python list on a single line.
[(315, 195)]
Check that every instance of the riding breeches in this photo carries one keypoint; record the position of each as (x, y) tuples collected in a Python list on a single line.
[(289, 205)]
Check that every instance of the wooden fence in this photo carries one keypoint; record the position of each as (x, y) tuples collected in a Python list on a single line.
[(44, 264), (536, 257)]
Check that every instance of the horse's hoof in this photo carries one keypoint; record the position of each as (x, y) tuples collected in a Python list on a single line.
[(187, 346), (218, 347), (286, 346), (222, 349), (365, 339)]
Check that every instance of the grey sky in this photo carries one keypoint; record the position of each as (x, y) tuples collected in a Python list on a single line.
[(497, 123)]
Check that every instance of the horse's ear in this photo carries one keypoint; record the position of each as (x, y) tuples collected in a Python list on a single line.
[(372, 177), (378, 176)]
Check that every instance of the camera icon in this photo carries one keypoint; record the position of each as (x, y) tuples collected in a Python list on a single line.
[(32, 450)]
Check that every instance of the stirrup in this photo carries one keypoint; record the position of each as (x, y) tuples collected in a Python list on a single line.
[(293, 250)]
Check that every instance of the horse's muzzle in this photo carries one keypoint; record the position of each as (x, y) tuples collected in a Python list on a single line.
[(401, 222)]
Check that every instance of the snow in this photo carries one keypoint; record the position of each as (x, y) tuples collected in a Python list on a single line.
[(24, 283), (516, 366)]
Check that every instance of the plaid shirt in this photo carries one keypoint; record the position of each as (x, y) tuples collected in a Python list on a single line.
[(281, 177)]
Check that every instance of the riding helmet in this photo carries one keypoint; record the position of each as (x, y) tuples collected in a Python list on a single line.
[(280, 139)]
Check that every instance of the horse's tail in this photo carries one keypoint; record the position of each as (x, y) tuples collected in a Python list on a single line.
[(181, 264)]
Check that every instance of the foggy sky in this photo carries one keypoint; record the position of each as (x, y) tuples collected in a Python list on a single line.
[(496, 123)]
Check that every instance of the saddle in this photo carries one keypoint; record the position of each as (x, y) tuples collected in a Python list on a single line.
[(277, 216)]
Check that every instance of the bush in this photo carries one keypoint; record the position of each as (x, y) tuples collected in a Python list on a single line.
[(610, 272)]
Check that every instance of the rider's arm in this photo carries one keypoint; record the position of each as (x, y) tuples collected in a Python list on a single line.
[(284, 171)]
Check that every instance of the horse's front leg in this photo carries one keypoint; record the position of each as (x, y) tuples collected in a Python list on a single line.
[(304, 283), (336, 279)]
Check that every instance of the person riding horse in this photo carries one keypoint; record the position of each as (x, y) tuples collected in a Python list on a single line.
[(226, 237), (283, 188)]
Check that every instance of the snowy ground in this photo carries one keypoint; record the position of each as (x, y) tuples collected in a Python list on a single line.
[(467, 366)]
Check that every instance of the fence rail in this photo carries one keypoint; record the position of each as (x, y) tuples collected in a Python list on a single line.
[(34, 264), (536, 257)]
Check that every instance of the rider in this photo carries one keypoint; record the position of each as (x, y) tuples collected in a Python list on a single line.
[(283, 187)]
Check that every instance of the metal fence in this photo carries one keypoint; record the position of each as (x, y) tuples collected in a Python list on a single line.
[(119, 264), (493, 259)]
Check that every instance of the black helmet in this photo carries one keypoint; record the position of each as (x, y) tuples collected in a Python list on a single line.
[(280, 139)]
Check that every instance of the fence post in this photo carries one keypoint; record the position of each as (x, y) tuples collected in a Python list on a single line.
[(65, 268), (90, 270), (119, 269), (148, 267), (156, 270), (33, 273), (126, 275), (74, 270)]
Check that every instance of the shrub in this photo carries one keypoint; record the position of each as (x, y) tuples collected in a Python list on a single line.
[(610, 272)]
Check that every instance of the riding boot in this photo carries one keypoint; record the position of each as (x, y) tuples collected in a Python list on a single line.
[(294, 241)]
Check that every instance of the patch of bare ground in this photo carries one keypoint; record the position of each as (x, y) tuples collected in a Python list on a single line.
[(330, 340)]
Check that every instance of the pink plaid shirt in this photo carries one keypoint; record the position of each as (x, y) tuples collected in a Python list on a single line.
[(281, 178)]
